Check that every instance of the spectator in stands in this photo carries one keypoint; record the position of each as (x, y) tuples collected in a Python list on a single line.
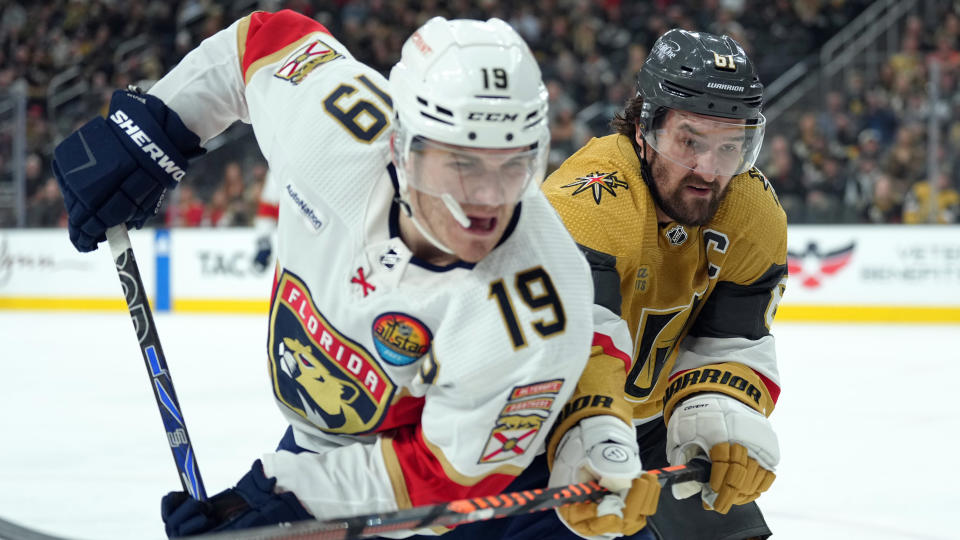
[(862, 177), (919, 208), (33, 171), (879, 117), (946, 53), (189, 211), (237, 209), (45, 208), (786, 175), (825, 191), (886, 206), (905, 160)]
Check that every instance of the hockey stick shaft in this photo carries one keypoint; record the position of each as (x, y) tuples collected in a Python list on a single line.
[(142, 317), (463, 510)]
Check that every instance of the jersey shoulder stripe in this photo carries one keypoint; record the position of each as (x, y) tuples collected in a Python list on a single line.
[(263, 37)]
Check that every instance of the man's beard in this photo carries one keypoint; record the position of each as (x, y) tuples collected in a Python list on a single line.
[(691, 213)]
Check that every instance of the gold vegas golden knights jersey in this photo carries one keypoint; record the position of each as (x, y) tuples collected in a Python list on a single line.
[(688, 309)]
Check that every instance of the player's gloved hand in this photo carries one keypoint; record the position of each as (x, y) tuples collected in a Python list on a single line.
[(252, 503), (262, 257), (739, 441), (116, 170), (604, 448)]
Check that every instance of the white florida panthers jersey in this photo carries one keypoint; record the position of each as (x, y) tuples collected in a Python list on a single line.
[(411, 383)]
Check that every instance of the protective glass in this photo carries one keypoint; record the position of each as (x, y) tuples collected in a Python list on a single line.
[(713, 147), (471, 176)]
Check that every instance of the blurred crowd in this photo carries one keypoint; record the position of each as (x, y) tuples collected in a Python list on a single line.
[(860, 157), (866, 154)]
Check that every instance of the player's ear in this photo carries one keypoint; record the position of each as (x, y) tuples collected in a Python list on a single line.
[(638, 138)]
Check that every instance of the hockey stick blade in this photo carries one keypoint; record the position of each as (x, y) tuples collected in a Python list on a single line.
[(459, 511), (142, 317)]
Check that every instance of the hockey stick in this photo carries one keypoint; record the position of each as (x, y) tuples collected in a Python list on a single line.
[(156, 363), (460, 511)]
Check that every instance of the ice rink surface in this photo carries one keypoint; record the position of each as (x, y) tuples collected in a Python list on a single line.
[(868, 424)]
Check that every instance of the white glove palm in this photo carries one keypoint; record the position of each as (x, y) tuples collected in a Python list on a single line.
[(740, 442), (604, 448)]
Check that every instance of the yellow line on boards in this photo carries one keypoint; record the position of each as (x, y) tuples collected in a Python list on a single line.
[(210, 305), (886, 314), (789, 312), (63, 304)]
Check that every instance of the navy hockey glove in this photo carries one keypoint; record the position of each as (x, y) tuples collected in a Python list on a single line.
[(116, 170), (252, 503), (262, 257)]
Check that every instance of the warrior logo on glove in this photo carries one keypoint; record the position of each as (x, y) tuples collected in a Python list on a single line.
[(328, 379)]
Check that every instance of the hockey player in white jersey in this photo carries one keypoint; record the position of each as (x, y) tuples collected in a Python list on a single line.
[(430, 314)]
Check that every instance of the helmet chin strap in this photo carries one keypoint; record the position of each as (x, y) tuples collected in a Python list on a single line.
[(454, 207), (408, 209)]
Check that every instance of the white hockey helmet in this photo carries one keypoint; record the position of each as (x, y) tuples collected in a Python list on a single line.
[(469, 84)]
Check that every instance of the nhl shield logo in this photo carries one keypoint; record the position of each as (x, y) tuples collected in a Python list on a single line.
[(677, 235)]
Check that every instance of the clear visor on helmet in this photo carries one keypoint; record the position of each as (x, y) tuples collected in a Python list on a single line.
[(471, 176), (708, 145)]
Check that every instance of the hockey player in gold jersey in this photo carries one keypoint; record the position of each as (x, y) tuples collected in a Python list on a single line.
[(687, 244)]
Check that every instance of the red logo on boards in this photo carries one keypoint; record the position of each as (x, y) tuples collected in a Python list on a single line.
[(811, 266)]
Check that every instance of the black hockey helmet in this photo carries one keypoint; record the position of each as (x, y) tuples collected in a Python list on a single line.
[(700, 73), (703, 74)]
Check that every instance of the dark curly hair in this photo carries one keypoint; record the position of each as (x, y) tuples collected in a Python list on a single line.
[(625, 121)]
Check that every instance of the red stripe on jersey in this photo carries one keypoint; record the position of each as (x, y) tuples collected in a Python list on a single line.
[(609, 349), (405, 412), (427, 483), (772, 387), (276, 281), (270, 32), (268, 210)]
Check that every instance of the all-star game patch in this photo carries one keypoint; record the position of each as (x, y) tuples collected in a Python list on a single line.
[(400, 339), (599, 183), (324, 376), (527, 408), (304, 60)]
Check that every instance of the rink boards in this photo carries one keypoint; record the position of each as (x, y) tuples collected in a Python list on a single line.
[(837, 273)]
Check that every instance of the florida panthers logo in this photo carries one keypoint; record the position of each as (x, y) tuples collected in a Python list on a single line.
[(330, 380), (327, 399)]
